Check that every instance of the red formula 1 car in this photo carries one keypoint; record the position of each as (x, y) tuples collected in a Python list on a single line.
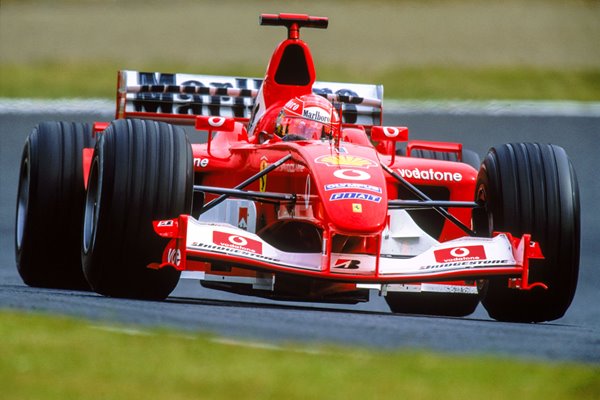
[(298, 193)]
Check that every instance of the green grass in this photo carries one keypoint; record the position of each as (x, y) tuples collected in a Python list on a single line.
[(481, 83), (43, 357), (452, 49), (55, 80)]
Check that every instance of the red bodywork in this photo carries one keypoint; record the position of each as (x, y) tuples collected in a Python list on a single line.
[(339, 214)]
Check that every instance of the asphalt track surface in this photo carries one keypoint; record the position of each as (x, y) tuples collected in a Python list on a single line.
[(575, 337)]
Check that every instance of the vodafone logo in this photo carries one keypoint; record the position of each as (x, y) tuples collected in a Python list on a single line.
[(460, 254), (237, 240), (430, 174), (352, 174), (391, 132), (216, 121), (292, 105)]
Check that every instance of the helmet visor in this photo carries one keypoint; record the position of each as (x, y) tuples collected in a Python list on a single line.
[(305, 128)]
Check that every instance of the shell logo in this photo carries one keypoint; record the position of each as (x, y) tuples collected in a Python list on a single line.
[(343, 160)]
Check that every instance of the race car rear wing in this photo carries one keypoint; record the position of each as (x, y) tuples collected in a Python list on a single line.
[(179, 98)]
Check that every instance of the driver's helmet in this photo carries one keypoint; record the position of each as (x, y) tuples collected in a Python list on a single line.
[(307, 117)]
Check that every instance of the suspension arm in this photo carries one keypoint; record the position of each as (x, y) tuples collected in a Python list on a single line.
[(428, 203), (242, 185)]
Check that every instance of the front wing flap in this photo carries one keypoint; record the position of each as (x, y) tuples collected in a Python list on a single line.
[(467, 258)]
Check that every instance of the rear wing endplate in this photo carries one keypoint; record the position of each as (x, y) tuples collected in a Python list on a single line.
[(179, 98)]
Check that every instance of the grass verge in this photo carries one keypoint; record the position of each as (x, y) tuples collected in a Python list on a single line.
[(45, 357), (56, 80)]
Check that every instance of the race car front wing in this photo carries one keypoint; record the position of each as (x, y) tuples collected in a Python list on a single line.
[(467, 258)]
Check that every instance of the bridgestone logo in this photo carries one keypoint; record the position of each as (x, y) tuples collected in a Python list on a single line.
[(468, 264), (430, 175), (233, 251)]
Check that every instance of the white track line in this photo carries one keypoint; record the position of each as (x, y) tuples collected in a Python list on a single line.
[(58, 106), (267, 346), (219, 340), (494, 108)]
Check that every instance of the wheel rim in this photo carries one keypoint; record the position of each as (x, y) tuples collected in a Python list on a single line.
[(92, 207), (22, 200)]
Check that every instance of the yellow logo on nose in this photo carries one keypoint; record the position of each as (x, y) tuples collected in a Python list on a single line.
[(346, 161), (356, 207)]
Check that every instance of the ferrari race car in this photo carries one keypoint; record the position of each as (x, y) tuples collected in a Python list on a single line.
[(298, 192)]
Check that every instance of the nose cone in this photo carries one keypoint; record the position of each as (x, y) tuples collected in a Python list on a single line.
[(353, 191)]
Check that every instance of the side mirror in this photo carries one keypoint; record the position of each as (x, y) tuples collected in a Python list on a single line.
[(393, 133), (221, 124), (388, 136)]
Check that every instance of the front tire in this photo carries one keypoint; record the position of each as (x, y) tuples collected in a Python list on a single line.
[(443, 304), (50, 206), (141, 171), (437, 303), (531, 188)]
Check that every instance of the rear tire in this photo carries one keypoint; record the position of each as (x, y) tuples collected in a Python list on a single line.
[(141, 171), (50, 206), (531, 188)]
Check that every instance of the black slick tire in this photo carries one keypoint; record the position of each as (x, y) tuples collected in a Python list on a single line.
[(50, 201), (437, 303), (141, 171), (531, 188), (429, 303)]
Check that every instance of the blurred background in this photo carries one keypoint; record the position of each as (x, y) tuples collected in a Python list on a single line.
[(433, 49)]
